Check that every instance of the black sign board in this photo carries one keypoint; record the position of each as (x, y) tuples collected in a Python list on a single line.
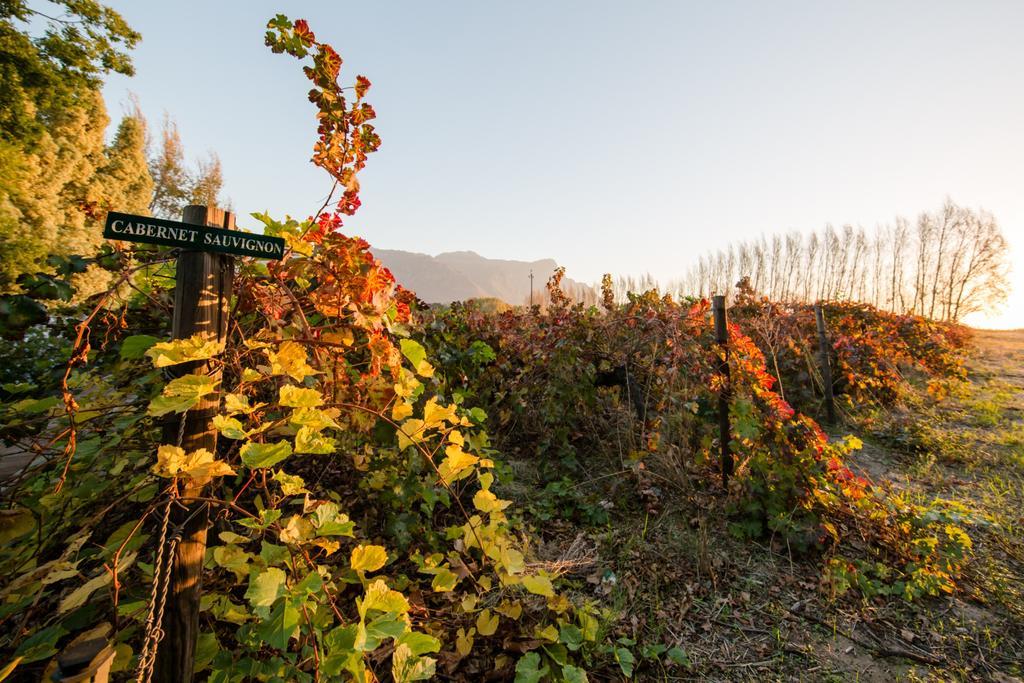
[(123, 226)]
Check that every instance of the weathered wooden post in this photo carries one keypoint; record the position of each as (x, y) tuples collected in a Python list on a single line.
[(722, 338), (825, 363), (202, 294)]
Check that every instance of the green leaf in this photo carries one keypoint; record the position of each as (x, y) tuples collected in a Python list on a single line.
[(385, 626), (135, 347), (330, 522), (281, 626), (311, 584), (626, 661), (15, 524), (529, 670), (266, 587), (679, 656), (229, 427), (419, 643), (291, 484), (444, 580), (368, 558), (41, 645), (256, 455), (207, 648), (574, 674), (570, 636), (417, 355), (35, 406), (181, 394), (273, 554), (19, 312)]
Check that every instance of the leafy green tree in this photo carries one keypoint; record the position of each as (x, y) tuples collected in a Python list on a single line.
[(52, 125)]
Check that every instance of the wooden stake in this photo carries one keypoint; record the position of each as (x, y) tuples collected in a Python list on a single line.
[(202, 294), (724, 432), (826, 364)]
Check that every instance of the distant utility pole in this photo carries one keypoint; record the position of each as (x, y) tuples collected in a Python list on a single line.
[(531, 287)]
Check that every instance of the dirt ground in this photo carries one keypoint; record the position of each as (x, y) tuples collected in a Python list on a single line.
[(744, 612)]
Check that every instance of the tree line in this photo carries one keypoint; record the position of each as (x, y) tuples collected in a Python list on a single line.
[(58, 173), (946, 264)]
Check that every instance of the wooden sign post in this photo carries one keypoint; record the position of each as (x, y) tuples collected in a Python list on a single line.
[(724, 432), (202, 295), (825, 363)]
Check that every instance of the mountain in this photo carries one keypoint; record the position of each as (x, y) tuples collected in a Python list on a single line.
[(461, 275)]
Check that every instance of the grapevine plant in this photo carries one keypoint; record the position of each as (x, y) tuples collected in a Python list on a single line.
[(793, 484), (355, 531)]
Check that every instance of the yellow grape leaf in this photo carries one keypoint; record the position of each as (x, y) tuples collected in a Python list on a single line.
[(239, 403), (232, 558), (549, 632), (400, 411), (434, 415), (315, 418), (327, 544), (251, 375), (457, 462), (407, 384), (309, 440), (296, 244), (382, 599), (487, 623), (559, 604), (512, 610), (297, 530), (464, 641), (410, 432), (77, 597), (181, 394), (485, 501), (290, 359), (368, 558), (407, 667), (291, 484), (300, 397), (264, 454), (184, 350), (343, 336), (171, 461), (539, 585), (10, 667)]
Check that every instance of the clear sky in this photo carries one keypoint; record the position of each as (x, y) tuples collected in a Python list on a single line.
[(611, 136)]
